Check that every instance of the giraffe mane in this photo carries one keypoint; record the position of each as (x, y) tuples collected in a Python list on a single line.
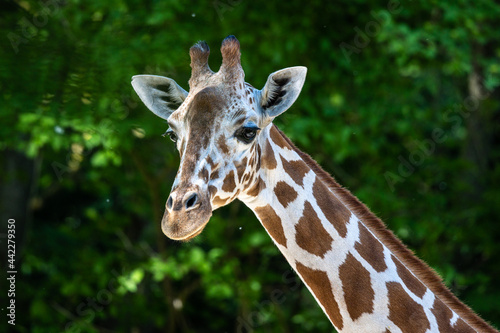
[(418, 267)]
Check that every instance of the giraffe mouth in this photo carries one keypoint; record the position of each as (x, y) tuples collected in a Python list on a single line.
[(194, 234), (184, 226)]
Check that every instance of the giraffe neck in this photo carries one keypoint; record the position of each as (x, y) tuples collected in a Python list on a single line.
[(362, 276)]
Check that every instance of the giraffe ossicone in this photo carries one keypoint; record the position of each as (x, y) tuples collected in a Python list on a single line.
[(362, 276)]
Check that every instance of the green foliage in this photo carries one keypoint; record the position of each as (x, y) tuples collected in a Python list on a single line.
[(387, 108)]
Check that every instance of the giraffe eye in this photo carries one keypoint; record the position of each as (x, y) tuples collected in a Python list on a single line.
[(246, 134), (171, 135)]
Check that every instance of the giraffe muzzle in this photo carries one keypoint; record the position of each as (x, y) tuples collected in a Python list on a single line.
[(187, 213)]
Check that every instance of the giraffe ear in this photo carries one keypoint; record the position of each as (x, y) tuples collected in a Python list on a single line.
[(282, 89), (160, 94)]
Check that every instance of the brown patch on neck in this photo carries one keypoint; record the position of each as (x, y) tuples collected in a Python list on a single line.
[(404, 312), (296, 170), (423, 272), (268, 159), (443, 315), (410, 281), (272, 222), (279, 138), (310, 233), (284, 193), (336, 213), (321, 287), (357, 286), (370, 249)]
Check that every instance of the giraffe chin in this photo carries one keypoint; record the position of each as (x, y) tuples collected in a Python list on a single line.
[(184, 226)]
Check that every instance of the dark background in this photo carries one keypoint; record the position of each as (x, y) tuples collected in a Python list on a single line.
[(401, 104)]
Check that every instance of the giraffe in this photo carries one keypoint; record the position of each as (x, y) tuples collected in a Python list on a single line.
[(361, 275)]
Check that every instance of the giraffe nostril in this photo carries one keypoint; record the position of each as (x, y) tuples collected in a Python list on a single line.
[(169, 202), (191, 201)]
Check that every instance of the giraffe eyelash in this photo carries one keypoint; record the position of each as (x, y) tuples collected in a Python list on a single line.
[(171, 134)]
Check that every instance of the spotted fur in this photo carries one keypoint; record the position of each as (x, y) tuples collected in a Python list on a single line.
[(362, 276)]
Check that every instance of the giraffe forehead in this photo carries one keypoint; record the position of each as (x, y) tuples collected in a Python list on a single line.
[(214, 104), (205, 108)]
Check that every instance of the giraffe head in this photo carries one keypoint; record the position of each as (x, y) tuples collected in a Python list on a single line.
[(218, 129)]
